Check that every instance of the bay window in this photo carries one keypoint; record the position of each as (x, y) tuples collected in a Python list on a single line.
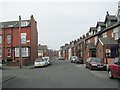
[(24, 52)]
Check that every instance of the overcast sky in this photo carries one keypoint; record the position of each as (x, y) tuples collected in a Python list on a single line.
[(59, 21)]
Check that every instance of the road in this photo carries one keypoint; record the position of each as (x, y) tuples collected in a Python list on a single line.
[(61, 74)]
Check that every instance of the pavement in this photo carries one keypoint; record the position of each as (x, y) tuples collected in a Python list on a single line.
[(8, 76)]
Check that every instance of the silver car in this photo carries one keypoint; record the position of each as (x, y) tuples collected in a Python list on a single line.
[(47, 59), (73, 59), (40, 63)]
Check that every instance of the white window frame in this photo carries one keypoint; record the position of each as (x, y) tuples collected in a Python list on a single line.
[(107, 24), (108, 51), (25, 51), (81, 54), (99, 28), (9, 52), (116, 33), (104, 34), (23, 37), (81, 46), (24, 23), (8, 39), (16, 52), (96, 40)]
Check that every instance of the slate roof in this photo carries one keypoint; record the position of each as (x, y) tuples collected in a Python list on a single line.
[(92, 29), (111, 18), (91, 46), (42, 47), (9, 24), (108, 41), (66, 47), (100, 24)]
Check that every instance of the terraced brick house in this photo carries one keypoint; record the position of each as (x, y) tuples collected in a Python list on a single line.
[(9, 34)]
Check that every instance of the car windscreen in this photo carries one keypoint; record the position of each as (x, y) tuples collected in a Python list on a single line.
[(74, 57), (39, 60), (96, 59), (46, 58)]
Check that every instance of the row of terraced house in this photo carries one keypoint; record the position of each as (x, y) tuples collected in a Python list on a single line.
[(101, 41)]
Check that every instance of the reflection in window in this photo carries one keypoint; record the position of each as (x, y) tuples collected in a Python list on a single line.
[(23, 37), (8, 39), (24, 52)]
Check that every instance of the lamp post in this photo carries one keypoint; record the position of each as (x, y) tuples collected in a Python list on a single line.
[(20, 54)]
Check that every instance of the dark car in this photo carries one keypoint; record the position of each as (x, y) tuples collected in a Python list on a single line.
[(73, 59), (79, 61), (114, 68), (95, 63)]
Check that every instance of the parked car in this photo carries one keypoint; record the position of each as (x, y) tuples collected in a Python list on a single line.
[(73, 59), (1, 66), (95, 63), (79, 61), (61, 58), (47, 59), (40, 63), (114, 68)]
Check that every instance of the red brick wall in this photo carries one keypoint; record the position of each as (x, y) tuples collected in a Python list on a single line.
[(92, 40), (15, 39), (86, 54), (109, 33), (34, 40), (16, 36), (83, 51), (100, 53)]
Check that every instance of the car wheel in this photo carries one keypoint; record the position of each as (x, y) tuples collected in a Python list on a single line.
[(104, 69), (110, 74), (45, 65), (90, 67)]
